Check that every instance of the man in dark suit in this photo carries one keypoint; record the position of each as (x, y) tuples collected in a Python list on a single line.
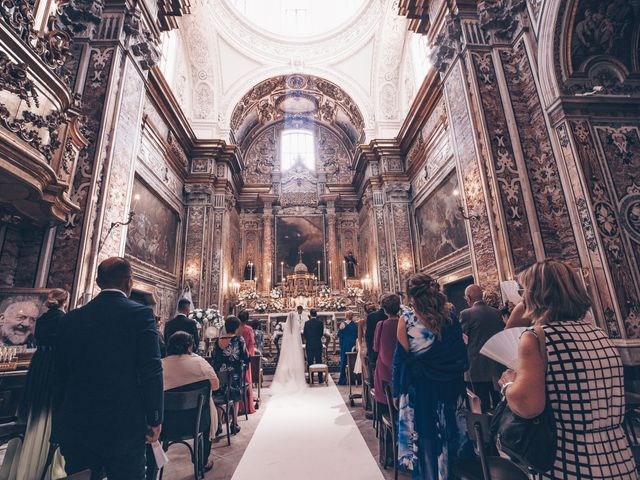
[(182, 323), (313, 331), (479, 323), (372, 321), (108, 395)]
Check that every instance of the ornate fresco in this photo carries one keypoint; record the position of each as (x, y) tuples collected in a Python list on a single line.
[(441, 230), (297, 96), (153, 232)]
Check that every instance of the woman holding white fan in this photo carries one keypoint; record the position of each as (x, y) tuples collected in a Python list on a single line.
[(571, 363)]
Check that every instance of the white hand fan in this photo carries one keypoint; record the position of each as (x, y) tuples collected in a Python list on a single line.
[(503, 347)]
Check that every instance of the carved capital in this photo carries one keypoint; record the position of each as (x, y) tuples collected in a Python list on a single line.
[(143, 46), (198, 193), (501, 19), (80, 17)]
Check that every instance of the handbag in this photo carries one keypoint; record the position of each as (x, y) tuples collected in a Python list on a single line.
[(530, 442)]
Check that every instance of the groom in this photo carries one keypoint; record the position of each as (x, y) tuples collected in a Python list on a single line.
[(313, 332)]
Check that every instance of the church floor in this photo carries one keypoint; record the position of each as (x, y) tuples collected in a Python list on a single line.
[(326, 464)]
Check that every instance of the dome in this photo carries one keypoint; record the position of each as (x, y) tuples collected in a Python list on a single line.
[(300, 268)]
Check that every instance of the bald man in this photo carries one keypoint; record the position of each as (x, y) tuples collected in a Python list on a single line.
[(18, 322), (479, 323)]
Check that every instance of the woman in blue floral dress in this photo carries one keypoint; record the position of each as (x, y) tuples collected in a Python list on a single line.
[(428, 383), (230, 355)]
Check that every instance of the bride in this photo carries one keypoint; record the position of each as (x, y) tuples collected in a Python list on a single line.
[(290, 372)]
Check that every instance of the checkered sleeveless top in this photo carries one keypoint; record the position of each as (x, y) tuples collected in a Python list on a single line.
[(586, 392)]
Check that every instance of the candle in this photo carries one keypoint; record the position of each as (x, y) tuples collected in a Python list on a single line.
[(250, 270), (318, 270), (282, 270), (344, 268)]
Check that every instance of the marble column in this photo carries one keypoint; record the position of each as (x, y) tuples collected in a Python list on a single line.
[(334, 271), (197, 241), (267, 279)]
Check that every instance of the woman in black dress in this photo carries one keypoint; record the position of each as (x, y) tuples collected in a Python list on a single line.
[(230, 355), (35, 407)]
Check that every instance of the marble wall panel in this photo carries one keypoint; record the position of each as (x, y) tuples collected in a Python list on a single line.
[(505, 168), (548, 197), (194, 256), (606, 207), (472, 186), (66, 248)]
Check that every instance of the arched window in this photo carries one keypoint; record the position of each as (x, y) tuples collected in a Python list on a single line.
[(297, 146)]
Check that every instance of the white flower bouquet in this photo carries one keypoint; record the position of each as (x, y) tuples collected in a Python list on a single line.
[(261, 306), (325, 291), (275, 293), (354, 292)]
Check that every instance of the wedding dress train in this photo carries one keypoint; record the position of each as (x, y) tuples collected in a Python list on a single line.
[(290, 372)]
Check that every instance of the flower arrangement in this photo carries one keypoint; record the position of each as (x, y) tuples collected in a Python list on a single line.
[(211, 316), (340, 305), (261, 306), (325, 291), (354, 292), (248, 295), (276, 305), (325, 304), (275, 293)]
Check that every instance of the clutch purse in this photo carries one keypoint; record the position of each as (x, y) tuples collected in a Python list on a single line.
[(530, 442)]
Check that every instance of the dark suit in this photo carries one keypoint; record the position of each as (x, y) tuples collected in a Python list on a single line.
[(108, 386), (182, 323), (372, 322), (480, 323), (313, 331)]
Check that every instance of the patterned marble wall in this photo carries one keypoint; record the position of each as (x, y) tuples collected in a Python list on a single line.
[(66, 248), (472, 185), (616, 209), (542, 169), (505, 168)]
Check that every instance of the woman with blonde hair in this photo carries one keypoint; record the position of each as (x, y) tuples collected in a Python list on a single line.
[(571, 363), (35, 408)]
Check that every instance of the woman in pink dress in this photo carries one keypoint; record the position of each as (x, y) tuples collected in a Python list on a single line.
[(384, 344), (246, 332)]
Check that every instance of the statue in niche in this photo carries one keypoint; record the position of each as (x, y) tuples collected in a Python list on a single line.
[(350, 262), (250, 270)]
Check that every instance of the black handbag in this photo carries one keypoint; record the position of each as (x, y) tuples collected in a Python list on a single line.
[(530, 442)]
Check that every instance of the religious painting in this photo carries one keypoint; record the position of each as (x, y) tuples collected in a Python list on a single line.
[(604, 27), (299, 234), (441, 229), (19, 310), (153, 233)]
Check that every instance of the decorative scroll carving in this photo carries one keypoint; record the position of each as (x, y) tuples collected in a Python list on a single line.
[(333, 157), (80, 16), (448, 44), (262, 156), (13, 78), (143, 45)]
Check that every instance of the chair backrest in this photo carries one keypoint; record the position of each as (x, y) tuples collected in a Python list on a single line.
[(393, 411), (256, 365), (478, 426), (186, 397), (365, 368), (83, 475), (351, 361), (475, 405)]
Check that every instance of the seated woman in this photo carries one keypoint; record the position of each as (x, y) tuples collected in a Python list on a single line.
[(428, 383), (571, 362), (348, 335), (230, 355), (183, 367)]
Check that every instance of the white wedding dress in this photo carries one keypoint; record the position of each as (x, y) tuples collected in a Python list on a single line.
[(290, 372)]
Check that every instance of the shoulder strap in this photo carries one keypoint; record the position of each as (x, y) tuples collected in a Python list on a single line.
[(538, 332)]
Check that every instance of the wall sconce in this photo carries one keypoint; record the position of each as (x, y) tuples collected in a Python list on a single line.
[(461, 210)]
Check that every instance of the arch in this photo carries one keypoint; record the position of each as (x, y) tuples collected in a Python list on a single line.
[(296, 97)]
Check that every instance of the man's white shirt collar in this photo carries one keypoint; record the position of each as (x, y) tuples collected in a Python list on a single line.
[(114, 290)]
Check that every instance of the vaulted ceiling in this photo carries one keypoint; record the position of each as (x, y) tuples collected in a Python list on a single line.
[(219, 54)]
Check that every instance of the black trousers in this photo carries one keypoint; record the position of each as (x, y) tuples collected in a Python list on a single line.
[(129, 465), (314, 355)]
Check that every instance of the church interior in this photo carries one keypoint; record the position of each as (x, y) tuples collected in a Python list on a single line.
[(260, 155)]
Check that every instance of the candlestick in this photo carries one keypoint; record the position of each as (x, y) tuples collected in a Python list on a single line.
[(282, 270), (250, 270), (344, 268)]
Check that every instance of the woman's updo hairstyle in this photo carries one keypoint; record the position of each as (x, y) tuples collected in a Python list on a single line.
[(56, 298), (429, 302), (179, 343)]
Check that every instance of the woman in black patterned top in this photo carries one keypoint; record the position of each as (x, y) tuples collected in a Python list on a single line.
[(230, 355), (572, 362)]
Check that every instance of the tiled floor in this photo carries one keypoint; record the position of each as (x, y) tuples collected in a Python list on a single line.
[(226, 458)]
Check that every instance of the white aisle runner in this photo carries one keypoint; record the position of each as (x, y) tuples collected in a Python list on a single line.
[(308, 435)]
